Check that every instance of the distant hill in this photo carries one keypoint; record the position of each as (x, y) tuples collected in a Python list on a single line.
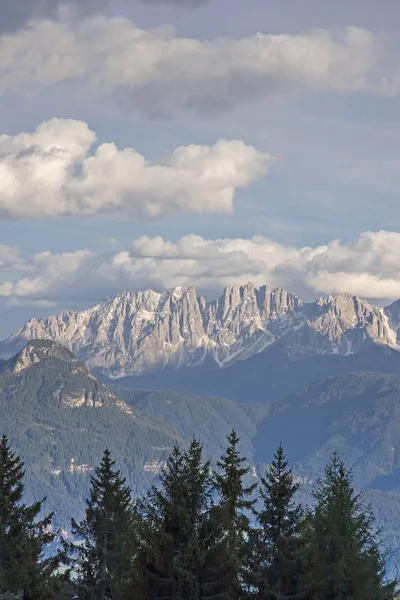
[(60, 419), (208, 418), (356, 414)]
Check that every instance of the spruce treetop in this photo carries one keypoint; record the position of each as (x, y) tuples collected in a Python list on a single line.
[(229, 481), (24, 537)]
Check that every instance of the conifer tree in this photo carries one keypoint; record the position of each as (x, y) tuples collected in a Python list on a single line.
[(24, 572), (278, 547), (104, 552), (174, 517), (346, 560), (231, 521)]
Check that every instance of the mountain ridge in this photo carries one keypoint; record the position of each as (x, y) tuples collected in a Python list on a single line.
[(60, 418), (139, 333)]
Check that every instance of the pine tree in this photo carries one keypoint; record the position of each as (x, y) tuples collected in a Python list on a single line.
[(346, 560), (24, 572), (231, 522), (174, 523), (278, 541), (104, 552)]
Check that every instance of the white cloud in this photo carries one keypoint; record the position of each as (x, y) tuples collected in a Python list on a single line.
[(368, 267), (160, 73), (10, 257), (52, 172)]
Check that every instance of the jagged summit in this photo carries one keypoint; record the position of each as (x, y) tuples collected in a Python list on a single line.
[(342, 325), (58, 377), (61, 418), (38, 349), (134, 333)]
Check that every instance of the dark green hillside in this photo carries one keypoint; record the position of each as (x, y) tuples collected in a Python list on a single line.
[(60, 418), (208, 418), (358, 414)]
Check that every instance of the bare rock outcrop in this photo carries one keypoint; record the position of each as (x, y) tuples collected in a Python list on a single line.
[(142, 332)]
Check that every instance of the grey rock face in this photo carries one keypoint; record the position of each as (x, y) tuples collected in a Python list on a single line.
[(35, 351), (79, 387), (340, 325), (142, 332), (393, 314)]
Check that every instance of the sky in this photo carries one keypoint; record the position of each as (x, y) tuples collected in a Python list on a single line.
[(162, 143)]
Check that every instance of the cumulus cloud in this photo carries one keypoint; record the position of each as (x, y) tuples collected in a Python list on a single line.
[(10, 258), (367, 267), (147, 262), (52, 172), (159, 72)]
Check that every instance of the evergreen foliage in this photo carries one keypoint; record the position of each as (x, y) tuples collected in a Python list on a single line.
[(278, 572), (49, 407), (175, 516), (232, 529), (345, 558), (48, 432), (104, 554), (24, 571), (191, 537)]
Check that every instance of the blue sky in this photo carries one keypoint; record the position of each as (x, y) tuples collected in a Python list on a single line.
[(287, 142)]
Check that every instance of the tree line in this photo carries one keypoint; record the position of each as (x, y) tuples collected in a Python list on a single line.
[(198, 534)]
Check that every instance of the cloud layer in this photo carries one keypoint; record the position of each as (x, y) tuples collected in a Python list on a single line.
[(367, 267), (52, 173), (158, 72)]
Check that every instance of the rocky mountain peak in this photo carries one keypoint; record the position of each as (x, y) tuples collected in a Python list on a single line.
[(67, 383), (349, 309), (141, 332), (340, 324), (37, 350), (138, 332), (180, 292), (392, 313)]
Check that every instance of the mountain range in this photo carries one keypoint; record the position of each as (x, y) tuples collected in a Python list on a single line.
[(136, 333), (249, 345), (143, 370)]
